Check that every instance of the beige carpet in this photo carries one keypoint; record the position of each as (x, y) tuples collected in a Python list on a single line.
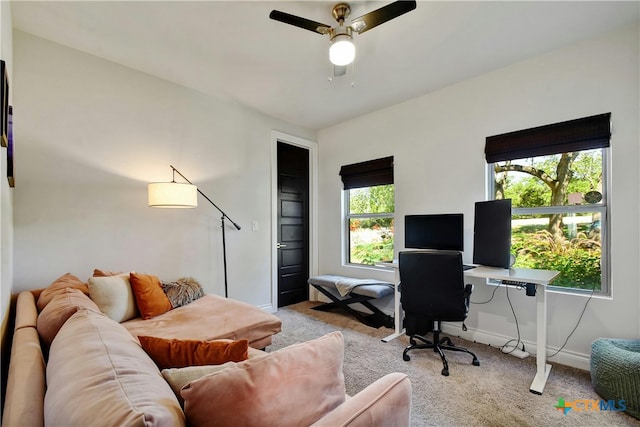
[(496, 393)]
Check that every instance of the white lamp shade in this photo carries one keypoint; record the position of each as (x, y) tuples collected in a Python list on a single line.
[(342, 50), (172, 195)]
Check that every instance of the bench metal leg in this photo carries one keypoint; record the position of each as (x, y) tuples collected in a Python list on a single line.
[(375, 320)]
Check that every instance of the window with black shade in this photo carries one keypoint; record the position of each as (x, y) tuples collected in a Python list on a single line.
[(369, 204), (556, 177)]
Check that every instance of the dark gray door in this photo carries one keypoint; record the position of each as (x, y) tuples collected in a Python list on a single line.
[(293, 224)]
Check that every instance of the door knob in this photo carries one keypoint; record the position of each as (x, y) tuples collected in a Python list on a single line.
[(280, 245)]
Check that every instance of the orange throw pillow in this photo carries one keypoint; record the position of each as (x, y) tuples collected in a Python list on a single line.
[(173, 353), (150, 298)]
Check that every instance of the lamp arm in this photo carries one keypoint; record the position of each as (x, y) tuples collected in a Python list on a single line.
[(224, 215)]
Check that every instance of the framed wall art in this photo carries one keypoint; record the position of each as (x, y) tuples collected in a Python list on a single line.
[(4, 103)]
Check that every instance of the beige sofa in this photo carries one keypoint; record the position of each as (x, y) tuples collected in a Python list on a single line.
[(96, 373)]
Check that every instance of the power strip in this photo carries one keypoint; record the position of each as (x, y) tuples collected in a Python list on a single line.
[(509, 349)]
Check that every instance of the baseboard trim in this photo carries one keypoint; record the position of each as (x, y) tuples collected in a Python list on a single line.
[(564, 357), (268, 308)]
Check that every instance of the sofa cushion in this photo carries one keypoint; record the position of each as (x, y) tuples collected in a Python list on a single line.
[(173, 353), (294, 386), (114, 297), (209, 318), (59, 310), (98, 373), (65, 281), (150, 298)]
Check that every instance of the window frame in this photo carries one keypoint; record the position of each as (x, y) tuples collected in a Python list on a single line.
[(347, 216), (602, 208)]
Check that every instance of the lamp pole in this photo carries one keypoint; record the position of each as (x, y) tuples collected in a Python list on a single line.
[(222, 224)]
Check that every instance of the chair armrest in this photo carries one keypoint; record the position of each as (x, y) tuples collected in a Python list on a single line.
[(468, 289), (386, 402)]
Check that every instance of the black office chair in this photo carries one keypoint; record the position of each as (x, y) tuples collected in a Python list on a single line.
[(432, 290)]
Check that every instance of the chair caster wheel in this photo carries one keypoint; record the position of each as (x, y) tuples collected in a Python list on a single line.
[(476, 362), (445, 372), (406, 357)]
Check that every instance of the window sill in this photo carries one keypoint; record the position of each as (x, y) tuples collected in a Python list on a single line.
[(366, 267), (578, 292)]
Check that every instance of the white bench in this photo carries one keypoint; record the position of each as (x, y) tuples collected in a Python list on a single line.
[(344, 291)]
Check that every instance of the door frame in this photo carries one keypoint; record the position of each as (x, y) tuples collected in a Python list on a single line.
[(312, 147)]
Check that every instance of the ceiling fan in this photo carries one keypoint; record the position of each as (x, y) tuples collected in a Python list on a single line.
[(342, 50)]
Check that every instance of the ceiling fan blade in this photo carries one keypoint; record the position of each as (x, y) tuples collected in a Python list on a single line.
[(382, 15), (297, 21)]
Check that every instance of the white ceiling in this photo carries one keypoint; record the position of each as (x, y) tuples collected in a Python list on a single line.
[(232, 50)]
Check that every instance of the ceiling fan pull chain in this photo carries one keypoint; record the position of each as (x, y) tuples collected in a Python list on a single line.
[(353, 74)]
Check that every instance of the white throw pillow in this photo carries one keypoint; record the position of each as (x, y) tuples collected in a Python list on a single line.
[(114, 297)]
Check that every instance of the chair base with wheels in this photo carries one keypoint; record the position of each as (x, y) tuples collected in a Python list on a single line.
[(438, 345), (432, 291)]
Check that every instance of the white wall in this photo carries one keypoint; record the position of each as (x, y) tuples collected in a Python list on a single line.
[(6, 197), (437, 141), (90, 135)]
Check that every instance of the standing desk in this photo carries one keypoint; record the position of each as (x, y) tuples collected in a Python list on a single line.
[(507, 276)]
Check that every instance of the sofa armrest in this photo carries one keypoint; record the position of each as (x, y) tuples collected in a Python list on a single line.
[(24, 400), (385, 402), (26, 311)]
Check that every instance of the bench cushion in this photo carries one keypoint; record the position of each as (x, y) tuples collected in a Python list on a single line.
[(373, 288)]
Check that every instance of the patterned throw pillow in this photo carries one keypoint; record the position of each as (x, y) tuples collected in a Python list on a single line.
[(183, 291)]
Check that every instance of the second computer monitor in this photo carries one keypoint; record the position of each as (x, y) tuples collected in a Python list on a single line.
[(492, 233)]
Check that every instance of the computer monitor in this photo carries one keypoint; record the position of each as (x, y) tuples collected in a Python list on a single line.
[(435, 231), (492, 233)]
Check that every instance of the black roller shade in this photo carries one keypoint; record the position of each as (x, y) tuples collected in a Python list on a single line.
[(573, 135), (368, 174)]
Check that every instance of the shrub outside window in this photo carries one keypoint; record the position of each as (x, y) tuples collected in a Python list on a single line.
[(559, 215), (370, 224)]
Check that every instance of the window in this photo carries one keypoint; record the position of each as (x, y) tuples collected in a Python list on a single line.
[(559, 198), (369, 211)]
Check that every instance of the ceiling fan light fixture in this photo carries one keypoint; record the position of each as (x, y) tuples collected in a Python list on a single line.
[(342, 50)]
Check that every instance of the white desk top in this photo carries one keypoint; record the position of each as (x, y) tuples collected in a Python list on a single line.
[(528, 275)]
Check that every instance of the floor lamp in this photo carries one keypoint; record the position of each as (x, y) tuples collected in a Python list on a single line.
[(185, 195)]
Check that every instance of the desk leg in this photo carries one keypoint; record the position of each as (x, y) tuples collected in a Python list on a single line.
[(398, 314), (542, 368)]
